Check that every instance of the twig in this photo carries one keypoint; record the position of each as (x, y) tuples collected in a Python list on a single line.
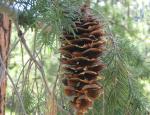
[(40, 68), (57, 77), (28, 61), (13, 16), (15, 89)]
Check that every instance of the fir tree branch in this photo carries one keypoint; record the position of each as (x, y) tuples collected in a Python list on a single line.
[(13, 16)]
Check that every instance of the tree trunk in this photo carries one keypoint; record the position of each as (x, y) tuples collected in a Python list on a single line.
[(5, 30)]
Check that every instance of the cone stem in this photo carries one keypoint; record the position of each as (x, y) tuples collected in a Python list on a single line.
[(80, 113), (88, 2)]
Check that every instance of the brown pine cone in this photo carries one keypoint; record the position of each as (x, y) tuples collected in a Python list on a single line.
[(81, 62)]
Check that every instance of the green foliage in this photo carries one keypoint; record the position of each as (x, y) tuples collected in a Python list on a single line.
[(29, 100), (123, 93), (57, 15), (121, 86)]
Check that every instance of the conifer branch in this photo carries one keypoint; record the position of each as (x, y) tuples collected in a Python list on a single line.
[(13, 16)]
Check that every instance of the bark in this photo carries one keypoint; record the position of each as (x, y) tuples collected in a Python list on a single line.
[(5, 30)]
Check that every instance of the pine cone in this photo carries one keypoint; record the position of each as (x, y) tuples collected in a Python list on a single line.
[(81, 61)]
